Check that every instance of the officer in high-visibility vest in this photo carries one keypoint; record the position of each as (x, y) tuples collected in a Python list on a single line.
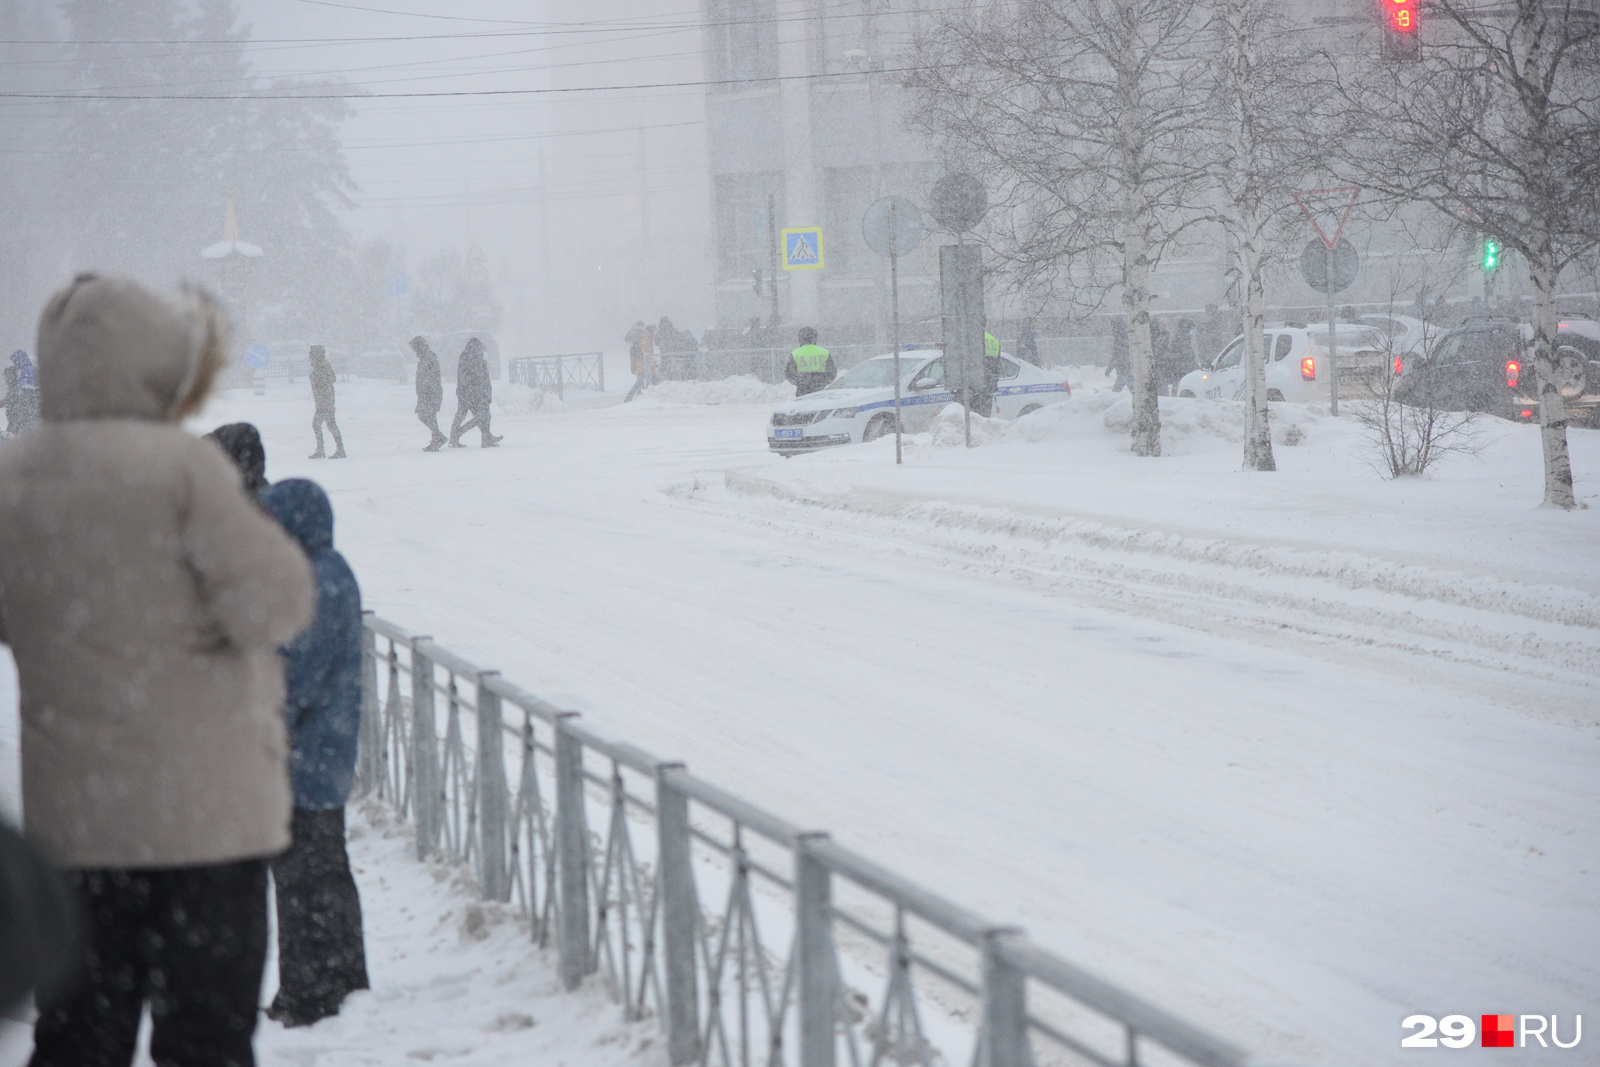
[(983, 399), (810, 367)]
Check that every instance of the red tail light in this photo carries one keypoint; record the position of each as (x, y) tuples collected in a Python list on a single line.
[(1308, 368), (1399, 366), (1527, 413), (1513, 373)]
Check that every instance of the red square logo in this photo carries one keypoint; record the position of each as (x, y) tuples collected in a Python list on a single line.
[(1499, 1031)]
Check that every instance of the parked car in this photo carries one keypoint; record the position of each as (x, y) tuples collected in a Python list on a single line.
[(1297, 358), (1407, 336), (1487, 365), (859, 405)]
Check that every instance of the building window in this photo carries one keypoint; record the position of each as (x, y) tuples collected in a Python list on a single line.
[(743, 244), (742, 42)]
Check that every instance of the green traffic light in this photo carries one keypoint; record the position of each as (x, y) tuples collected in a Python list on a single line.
[(1491, 254)]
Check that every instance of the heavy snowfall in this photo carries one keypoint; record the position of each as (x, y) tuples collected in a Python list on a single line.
[(1271, 706)]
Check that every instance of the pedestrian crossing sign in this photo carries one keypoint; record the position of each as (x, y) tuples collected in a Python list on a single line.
[(802, 248)]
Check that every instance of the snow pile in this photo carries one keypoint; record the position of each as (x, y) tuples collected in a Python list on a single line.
[(949, 428), (738, 389), (1186, 424), (522, 400)]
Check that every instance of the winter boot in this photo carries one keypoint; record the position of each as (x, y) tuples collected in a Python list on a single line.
[(318, 454), (492, 441), (339, 455)]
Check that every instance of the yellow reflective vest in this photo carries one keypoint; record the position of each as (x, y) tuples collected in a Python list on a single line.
[(810, 359)]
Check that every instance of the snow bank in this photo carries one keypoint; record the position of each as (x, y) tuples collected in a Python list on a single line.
[(521, 400), (1186, 425), (739, 389), (949, 428)]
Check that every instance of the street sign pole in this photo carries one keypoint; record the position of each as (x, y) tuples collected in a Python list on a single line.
[(1333, 341), (1334, 205), (890, 226)]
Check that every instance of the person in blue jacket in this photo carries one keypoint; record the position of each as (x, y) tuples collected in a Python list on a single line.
[(321, 955)]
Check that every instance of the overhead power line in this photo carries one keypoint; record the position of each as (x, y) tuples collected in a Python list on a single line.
[(358, 95)]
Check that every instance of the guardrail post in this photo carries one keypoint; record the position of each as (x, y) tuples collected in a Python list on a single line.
[(494, 879), (369, 739), (600, 369), (678, 914), (817, 969), (572, 852), (424, 752), (561, 383), (1005, 1008)]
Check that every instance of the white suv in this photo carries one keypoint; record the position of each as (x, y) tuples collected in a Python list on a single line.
[(1297, 364)]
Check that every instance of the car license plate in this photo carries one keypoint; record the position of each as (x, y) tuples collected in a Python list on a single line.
[(788, 435)]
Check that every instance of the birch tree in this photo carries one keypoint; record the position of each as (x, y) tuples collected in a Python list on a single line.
[(1084, 115), (1497, 127), (1261, 100)]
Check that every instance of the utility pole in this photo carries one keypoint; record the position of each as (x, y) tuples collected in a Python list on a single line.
[(772, 254)]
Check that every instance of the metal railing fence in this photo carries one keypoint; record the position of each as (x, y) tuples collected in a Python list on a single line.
[(750, 937), (580, 370)]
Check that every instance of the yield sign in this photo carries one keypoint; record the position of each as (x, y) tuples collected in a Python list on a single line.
[(1328, 209)]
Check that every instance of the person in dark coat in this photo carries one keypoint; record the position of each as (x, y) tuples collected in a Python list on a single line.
[(1118, 364), (322, 379), (241, 442), (1027, 344), (473, 394), (430, 392), (810, 367), (22, 393), (321, 954), (10, 400)]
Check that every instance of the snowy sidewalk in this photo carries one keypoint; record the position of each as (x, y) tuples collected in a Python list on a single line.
[(452, 980)]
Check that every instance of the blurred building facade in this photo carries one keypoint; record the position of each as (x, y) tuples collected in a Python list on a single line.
[(804, 128)]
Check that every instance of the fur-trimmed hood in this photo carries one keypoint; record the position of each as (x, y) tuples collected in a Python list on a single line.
[(111, 349)]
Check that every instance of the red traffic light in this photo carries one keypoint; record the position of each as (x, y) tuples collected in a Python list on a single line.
[(1401, 19)]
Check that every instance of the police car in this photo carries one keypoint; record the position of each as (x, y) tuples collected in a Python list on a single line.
[(859, 405)]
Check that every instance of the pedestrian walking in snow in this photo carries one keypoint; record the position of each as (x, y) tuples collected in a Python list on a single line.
[(322, 379), (641, 358), (241, 442), (430, 392), (1118, 364), (473, 395), (1027, 343), (22, 394), (144, 599), (321, 956), (810, 367)]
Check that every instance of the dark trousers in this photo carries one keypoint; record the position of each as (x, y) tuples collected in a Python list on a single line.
[(191, 940), (321, 955), (325, 415), (480, 421)]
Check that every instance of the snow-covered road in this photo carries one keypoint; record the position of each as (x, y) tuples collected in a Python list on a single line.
[(1294, 755)]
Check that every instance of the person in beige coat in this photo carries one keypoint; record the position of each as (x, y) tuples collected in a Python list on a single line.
[(144, 597)]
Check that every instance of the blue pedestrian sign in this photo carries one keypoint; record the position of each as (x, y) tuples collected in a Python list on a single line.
[(258, 355), (396, 284), (802, 248)]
